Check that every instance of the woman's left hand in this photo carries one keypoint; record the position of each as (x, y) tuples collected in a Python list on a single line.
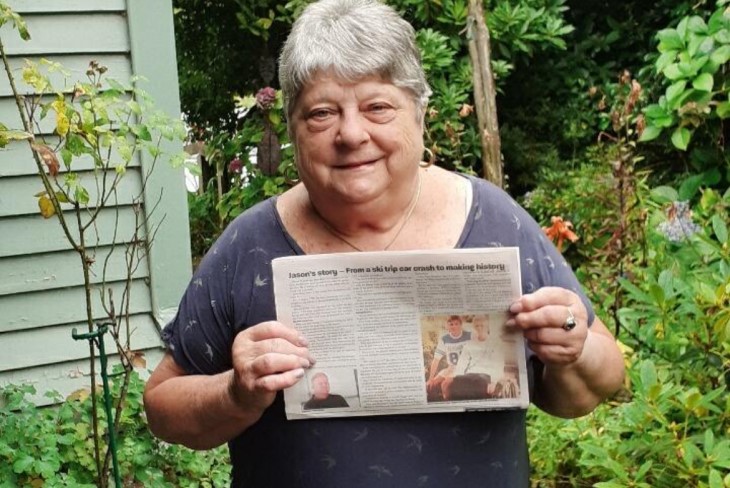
[(546, 317)]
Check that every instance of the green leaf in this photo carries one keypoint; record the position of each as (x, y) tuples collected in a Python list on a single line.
[(666, 281), (691, 451), (664, 122), (715, 479), (709, 441), (194, 169), (644, 469), (717, 20), (682, 28), (67, 157), (657, 293), (689, 69), (669, 39), (664, 194), (75, 144), (264, 22), (665, 59), (81, 195), (15, 135), (721, 55), (275, 118), (61, 197), (681, 137), (648, 374), (673, 72), (177, 160), (704, 82), (22, 463), (696, 25), (695, 42), (655, 111), (675, 90), (689, 186), (144, 133), (45, 468), (720, 228), (723, 110), (722, 36), (650, 133), (116, 85)]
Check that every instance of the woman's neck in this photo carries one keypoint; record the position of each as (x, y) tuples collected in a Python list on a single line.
[(368, 226)]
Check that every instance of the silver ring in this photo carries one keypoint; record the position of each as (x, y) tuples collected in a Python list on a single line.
[(570, 322)]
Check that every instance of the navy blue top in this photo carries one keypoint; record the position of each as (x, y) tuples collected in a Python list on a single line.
[(232, 290)]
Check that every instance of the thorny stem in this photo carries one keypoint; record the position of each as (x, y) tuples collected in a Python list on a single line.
[(78, 247), (86, 264)]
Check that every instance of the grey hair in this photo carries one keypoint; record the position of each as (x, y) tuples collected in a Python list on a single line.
[(352, 39)]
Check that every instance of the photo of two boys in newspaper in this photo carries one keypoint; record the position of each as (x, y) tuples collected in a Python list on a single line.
[(404, 332)]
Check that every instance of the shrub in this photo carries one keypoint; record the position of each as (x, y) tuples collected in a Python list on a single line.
[(676, 323), (51, 447)]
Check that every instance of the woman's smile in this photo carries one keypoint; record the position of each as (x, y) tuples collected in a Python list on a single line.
[(366, 163)]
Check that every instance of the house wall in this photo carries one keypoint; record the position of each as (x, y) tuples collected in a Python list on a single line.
[(41, 282)]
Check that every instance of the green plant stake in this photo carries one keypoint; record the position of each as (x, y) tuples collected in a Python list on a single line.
[(97, 337)]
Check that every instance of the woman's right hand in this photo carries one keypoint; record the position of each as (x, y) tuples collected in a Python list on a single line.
[(267, 357)]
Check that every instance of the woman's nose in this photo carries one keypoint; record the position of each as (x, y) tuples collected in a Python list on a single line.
[(352, 131)]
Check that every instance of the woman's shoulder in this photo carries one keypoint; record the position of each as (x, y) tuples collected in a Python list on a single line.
[(486, 189), (256, 225), (261, 213)]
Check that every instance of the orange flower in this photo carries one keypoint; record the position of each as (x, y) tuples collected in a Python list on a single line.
[(560, 230), (466, 109)]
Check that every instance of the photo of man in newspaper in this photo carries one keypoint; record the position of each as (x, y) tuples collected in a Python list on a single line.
[(482, 368), (479, 362), (449, 347), (321, 395)]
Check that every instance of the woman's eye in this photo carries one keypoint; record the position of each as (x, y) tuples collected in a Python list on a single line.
[(319, 114), (380, 113)]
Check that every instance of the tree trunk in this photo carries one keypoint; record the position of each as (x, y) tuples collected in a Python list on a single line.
[(484, 93)]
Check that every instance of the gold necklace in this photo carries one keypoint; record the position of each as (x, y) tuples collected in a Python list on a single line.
[(402, 225)]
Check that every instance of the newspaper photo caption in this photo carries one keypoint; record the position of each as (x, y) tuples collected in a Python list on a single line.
[(375, 321)]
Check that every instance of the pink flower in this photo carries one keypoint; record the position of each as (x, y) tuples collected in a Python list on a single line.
[(235, 166), (265, 98)]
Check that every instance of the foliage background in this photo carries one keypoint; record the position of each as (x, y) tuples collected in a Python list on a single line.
[(581, 139)]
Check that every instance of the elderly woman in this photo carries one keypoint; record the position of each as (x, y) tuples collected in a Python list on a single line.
[(355, 96)]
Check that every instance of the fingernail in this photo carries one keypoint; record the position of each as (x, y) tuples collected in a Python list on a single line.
[(305, 363), (299, 373), (303, 341), (312, 361), (510, 323), (515, 307)]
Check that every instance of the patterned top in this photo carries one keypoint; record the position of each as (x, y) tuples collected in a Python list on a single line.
[(232, 290)]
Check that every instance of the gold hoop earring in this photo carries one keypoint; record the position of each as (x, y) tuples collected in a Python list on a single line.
[(288, 178), (430, 158)]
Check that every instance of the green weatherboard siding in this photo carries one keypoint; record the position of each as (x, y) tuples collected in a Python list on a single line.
[(41, 292)]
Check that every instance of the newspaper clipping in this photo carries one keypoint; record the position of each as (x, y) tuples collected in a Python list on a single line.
[(404, 332)]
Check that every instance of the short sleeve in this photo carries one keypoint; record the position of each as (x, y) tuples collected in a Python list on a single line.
[(232, 289), (201, 334)]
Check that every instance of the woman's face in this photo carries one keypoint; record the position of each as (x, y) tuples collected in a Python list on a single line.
[(356, 142)]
